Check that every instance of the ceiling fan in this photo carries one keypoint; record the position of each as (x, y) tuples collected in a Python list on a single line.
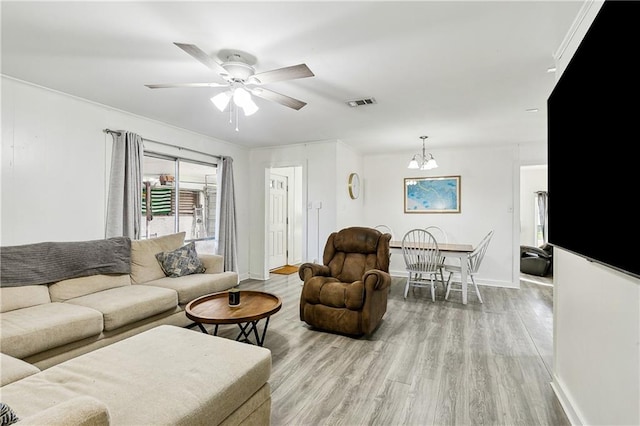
[(242, 80)]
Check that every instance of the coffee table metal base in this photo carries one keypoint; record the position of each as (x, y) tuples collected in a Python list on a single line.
[(246, 329), (254, 306)]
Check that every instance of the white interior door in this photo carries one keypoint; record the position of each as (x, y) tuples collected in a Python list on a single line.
[(277, 231)]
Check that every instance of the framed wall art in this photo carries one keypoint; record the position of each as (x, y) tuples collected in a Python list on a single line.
[(439, 194)]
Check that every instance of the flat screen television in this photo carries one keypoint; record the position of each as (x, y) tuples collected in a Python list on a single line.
[(593, 142)]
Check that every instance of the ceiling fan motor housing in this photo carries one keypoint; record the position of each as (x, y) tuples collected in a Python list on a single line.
[(238, 71)]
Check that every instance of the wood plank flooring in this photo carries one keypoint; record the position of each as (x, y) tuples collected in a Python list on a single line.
[(441, 363)]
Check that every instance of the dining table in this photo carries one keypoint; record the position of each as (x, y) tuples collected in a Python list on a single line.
[(460, 251)]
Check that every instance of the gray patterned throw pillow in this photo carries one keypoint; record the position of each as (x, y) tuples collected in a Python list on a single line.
[(7, 416), (182, 261)]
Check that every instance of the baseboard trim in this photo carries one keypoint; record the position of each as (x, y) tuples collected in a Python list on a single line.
[(481, 282), (567, 403)]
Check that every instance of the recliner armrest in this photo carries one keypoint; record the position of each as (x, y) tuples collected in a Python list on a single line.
[(308, 270), (382, 279), (531, 251)]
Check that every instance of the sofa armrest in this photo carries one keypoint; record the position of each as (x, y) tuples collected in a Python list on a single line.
[(78, 411), (214, 263)]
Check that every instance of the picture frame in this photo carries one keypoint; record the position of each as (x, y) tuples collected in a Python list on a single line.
[(439, 194)]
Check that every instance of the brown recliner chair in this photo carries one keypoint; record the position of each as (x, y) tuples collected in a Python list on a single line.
[(348, 293), (536, 260)]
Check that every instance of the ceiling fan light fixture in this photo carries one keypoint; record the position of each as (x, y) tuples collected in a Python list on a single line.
[(221, 100), (250, 107), (238, 75), (241, 97)]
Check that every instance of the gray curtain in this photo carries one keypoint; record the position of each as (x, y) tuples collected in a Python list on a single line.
[(542, 199), (228, 235), (124, 204)]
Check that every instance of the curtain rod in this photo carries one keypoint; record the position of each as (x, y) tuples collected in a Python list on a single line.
[(114, 132)]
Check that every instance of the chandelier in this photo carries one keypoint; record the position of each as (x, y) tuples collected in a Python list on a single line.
[(423, 162), (241, 99)]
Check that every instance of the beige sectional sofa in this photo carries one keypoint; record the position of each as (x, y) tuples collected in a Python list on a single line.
[(116, 349), (48, 324), (164, 376)]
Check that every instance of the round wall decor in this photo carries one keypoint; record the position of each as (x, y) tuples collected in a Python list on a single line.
[(354, 186)]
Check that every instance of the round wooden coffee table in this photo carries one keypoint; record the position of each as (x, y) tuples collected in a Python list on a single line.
[(254, 306)]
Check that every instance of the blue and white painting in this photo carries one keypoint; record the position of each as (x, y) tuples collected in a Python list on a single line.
[(432, 195)]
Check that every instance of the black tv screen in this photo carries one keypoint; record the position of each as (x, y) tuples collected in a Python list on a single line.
[(593, 142)]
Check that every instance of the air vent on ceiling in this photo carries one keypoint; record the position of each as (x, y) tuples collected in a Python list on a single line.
[(360, 102)]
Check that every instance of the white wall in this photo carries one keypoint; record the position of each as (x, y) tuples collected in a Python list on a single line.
[(319, 171), (56, 160), (488, 201), (349, 212), (596, 371), (532, 180)]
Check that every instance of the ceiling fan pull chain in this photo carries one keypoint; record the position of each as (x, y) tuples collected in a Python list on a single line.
[(237, 129)]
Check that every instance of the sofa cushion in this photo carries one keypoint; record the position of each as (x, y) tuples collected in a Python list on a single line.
[(190, 287), (12, 298), (181, 261), (144, 265), (125, 305), (78, 411), (330, 291), (167, 375), (13, 369), (35, 329), (77, 287), (213, 263)]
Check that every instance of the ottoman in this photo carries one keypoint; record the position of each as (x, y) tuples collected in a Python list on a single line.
[(164, 376)]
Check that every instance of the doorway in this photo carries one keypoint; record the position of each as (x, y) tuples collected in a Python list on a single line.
[(284, 217), (533, 179)]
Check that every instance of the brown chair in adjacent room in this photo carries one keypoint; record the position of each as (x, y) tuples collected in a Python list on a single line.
[(536, 260), (347, 294)]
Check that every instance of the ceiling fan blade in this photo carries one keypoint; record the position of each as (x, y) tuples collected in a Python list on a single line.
[(280, 74), (169, 86), (201, 56), (285, 100)]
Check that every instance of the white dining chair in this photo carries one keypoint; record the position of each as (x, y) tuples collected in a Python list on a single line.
[(441, 237), (421, 258), (438, 233), (473, 264), (385, 230)]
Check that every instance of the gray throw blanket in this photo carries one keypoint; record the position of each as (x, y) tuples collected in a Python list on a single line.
[(44, 263)]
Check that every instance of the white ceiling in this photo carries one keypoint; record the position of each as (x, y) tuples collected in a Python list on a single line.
[(463, 73)]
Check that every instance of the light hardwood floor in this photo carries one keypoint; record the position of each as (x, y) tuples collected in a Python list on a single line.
[(441, 363)]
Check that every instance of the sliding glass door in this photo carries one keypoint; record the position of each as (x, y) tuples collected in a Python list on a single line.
[(180, 195)]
